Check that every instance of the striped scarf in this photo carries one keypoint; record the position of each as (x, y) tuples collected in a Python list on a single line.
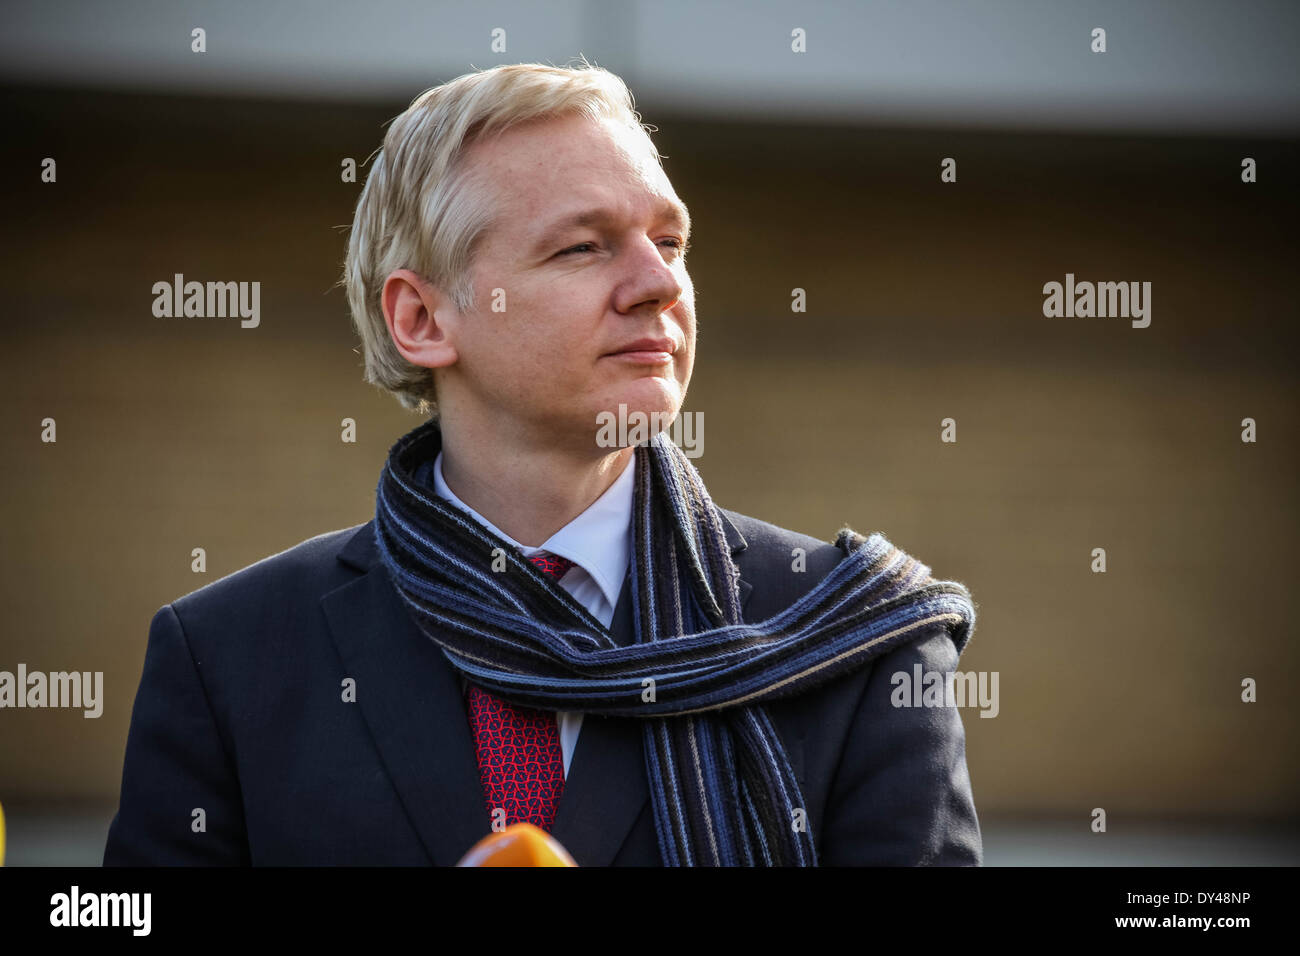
[(722, 788)]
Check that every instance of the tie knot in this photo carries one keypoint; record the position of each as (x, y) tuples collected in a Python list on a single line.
[(552, 565)]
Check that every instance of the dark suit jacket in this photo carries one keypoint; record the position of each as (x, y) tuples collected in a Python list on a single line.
[(240, 712)]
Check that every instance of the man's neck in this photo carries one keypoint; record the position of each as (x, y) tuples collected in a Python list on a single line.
[(528, 492)]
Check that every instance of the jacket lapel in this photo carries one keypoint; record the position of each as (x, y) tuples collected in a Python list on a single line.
[(410, 697)]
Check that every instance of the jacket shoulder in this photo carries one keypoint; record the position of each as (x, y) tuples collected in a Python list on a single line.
[(311, 565), (780, 564), (766, 542)]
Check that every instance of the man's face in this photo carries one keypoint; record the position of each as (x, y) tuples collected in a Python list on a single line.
[(576, 291)]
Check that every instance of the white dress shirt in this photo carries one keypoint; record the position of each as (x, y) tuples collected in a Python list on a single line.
[(599, 543)]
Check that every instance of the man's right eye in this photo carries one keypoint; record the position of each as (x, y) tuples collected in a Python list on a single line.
[(581, 247)]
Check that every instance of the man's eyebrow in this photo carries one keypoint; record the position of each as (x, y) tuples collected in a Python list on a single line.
[(669, 209)]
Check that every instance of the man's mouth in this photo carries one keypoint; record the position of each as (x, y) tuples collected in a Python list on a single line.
[(649, 351)]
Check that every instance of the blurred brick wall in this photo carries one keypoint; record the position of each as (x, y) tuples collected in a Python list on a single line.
[(1118, 690)]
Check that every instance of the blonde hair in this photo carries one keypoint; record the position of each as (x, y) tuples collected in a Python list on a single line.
[(422, 209)]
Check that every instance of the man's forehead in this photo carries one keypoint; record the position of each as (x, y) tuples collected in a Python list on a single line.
[(592, 173), (597, 211)]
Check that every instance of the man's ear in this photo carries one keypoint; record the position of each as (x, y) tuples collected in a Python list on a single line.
[(421, 318)]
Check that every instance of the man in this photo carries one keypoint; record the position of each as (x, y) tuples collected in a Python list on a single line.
[(540, 625)]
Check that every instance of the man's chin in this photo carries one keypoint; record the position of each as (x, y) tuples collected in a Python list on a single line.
[(649, 394), (632, 420)]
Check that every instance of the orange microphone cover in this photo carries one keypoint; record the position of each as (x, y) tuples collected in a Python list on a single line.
[(520, 844)]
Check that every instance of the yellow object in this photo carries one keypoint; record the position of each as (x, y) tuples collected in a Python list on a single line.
[(520, 844)]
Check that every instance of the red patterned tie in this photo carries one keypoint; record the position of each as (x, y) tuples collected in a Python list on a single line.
[(520, 761)]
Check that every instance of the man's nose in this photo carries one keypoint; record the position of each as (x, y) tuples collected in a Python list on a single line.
[(649, 279)]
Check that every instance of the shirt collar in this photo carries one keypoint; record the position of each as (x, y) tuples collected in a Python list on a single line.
[(599, 539)]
